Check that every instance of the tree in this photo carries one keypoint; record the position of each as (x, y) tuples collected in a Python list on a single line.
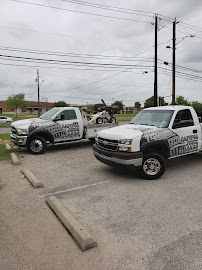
[(16, 101), (61, 103), (137, 105), (198, 108), (97, 106), (180, 100), (150, 102), (119, 106)]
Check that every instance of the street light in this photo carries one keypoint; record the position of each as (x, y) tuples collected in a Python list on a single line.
[(45, 100)]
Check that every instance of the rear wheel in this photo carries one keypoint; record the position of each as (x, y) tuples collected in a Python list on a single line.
[(99, 120), (153, 166), (37, 145), (112, 120)]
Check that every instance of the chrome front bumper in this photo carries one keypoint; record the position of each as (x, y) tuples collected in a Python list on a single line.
[(19, 140)]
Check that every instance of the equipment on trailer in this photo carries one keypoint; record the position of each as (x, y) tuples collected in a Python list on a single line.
[(105, 115)]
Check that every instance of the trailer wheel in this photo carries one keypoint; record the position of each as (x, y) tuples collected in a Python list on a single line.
[(37, 145), (153, 166), (112, 120), (99, 120)]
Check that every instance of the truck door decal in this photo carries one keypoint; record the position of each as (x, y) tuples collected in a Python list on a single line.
[(58, 131), (178, 145)]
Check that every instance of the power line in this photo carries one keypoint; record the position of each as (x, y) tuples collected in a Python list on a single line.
[(68, 62), (62, 54), (111, 8), (82, 12)]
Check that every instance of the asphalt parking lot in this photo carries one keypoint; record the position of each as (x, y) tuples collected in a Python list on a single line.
[(138, 224)]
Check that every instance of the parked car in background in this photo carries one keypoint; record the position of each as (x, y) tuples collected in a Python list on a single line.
[(5, 119)]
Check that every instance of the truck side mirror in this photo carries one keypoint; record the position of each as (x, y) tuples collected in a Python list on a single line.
[(176, 124)]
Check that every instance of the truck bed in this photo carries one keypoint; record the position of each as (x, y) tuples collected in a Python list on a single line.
[(90, 131)]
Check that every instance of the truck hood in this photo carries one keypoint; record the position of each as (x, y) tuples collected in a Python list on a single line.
[(24, 124), (128, 131)]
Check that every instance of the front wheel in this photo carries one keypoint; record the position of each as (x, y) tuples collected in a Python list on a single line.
[(153, 166), (37, 145)]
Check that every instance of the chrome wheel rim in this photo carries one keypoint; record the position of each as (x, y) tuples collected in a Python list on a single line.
[(36, 146), (152, 166), (99, 120)]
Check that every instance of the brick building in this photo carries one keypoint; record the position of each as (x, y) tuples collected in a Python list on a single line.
[(31, 105)]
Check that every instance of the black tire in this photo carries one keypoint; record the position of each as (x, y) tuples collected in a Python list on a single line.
[(37, 145), (153, 166), (92, 140), (99, 120), (112, 120)]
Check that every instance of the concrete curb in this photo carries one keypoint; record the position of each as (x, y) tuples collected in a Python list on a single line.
[(15, 159), (32, 178), (8, 147), (76, 230)]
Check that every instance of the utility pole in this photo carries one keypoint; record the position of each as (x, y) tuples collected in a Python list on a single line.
[(155, 67), (38, 93), (173, 75)]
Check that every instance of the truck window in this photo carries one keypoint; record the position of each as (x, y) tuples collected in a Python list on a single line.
[(157, 118), (183, 119), (67, 115), (49, 114)]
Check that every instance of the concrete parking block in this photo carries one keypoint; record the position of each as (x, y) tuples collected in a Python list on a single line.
[(15, 159), (8, 147), (32, 178), (76, 230)]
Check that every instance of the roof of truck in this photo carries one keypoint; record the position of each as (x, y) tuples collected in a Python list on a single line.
[(171, 107)]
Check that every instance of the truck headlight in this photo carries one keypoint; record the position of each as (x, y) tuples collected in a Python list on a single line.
[(124, 149), (127, 141), (21, 131)]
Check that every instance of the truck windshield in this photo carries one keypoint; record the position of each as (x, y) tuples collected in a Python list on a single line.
[(158, 118), (49, 114)]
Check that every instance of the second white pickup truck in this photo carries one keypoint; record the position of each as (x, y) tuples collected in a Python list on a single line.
[(59, 125), (154, 135)]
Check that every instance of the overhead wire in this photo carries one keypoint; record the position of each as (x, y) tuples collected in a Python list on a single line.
[(81, 12)]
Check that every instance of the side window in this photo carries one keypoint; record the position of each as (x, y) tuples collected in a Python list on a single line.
[(66, 115), (183, 119), (70, 115)]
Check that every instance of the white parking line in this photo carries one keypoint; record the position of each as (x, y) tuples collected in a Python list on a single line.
[(71, 189)]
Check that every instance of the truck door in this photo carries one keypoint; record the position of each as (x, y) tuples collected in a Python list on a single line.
[(71, 126), (189, 133)]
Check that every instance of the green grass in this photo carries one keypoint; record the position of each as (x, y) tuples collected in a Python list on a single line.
[(20, 117), (4, 153), (5, 136), (5, 124), (125, 117)]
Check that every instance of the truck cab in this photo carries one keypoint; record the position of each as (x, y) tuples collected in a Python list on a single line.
[(153, 136)]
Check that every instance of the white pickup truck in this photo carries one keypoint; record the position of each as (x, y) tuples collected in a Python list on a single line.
[(58, 125), (153, 136)]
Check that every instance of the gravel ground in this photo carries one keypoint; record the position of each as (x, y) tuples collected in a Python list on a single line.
[(138, 224)]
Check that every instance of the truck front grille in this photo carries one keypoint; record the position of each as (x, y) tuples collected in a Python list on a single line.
[(13, 130), (111, 145)]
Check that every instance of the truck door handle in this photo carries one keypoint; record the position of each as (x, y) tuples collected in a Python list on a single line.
[(195, 131)]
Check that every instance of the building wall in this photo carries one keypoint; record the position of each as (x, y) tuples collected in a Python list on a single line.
[(32, 107)]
